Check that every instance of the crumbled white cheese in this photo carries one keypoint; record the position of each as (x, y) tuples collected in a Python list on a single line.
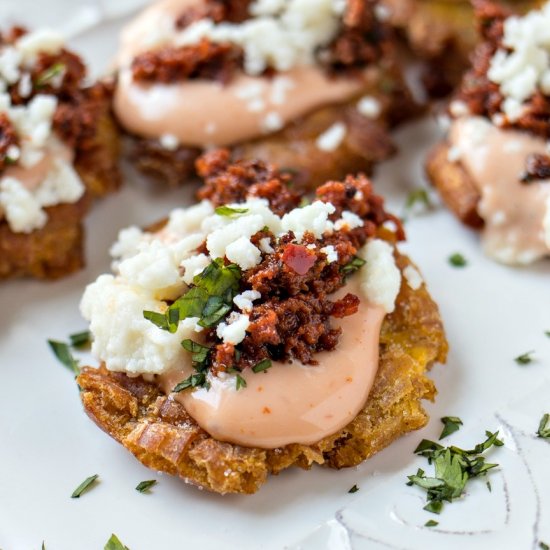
[(61, 185), (243, 253), (193, 266), (282, 34), (272, 122), (458, 108), (234, 331), (312, 218), (155, 269), (332, 138), (127, 244), (244, 300), (10, 59), (122, 337), (25, 85), (169, 142), (265, 245), (39, 41), (13, 153), (349, 221), (330, 251), (524, 64), (413, 277), (381, 279), (23, 212), (369, 107)]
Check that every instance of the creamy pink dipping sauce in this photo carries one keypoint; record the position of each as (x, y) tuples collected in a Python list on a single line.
[(292, 403), (204, 113), (516, 215)]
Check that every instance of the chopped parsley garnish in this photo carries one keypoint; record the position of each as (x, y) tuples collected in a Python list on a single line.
[(43, 546), (547, 333), (543, 546), (454, 467), (417, 196), (229, 211), (431, 523), (457, 260), (80, 339), (210, 299), (114, 544), (200, 355), (544, 427), (197, 380), (354, 489), (524, 358), (263, 365), (63, 353), (85, 486), (353, 266), (144, 486), (489, 486), (51, 72), (451, 425), (240, 382)]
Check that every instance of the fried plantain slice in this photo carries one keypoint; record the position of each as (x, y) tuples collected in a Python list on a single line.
[(161, 435)]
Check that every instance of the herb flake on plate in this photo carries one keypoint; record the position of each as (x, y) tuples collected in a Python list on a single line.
[(524, 358), (458, 260), (352, 266), (451, 425), (114, 544), (354, 489), (80, 339), (544, 427), (416, 197), (63, 353), (144, 486), (454, 467), (85, 486), (431, 523)]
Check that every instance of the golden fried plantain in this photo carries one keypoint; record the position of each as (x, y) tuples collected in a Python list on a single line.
[(455, 186), (160, 433)]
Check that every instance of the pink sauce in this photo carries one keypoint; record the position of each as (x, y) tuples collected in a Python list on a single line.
[(203, 113), (514, 213), (291, 403)]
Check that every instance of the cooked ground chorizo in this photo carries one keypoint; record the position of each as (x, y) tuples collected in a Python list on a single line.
[(291, 320), (362, 40), (232, 11), (205, 60), (537, 167), (226, 182), (8, 138), (482, 96)]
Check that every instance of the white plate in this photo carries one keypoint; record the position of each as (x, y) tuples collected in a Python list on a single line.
[(492, 314)]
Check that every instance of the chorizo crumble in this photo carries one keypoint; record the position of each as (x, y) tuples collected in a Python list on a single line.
[(292, 318), (362, 40), (484, 97)]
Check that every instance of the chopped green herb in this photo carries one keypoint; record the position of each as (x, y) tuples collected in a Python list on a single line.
[(263, 365), (454, 467), (489, 486), (229, 211), (547, 333), (80, 339), (144, 486), (114, 544), (525, 358), (85, 486), (63, 354), (544, 427), (304, 202), (353, 266), (240, 382), (199, 352), (417, 196), (543, 546), (51, 72), (43, 546), (457, 260), (197, 380), (354, 489), (210, 299), (431, 523), (451, 425)]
